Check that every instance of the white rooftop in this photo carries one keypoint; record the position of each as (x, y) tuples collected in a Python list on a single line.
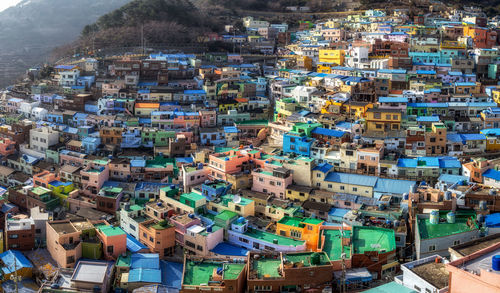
[(91, 272), (481, 263)]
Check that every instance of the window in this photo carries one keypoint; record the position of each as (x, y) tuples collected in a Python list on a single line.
[(342, 187), (417, 288), (199, 248), (243, 240), (70, 259), (132, 227), (354, 189), (13, 236), (432, 247), (456, 242), (109, 249), (237, 208)]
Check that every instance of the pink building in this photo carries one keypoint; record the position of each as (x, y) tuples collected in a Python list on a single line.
[(94, 176), (114, 241), (273, 183), (368, 158), (194, 175), (475, 273), (208, 118), (186, 120), (231, 162), (119, 169), (67, 157), (182, 223), (7, 147)]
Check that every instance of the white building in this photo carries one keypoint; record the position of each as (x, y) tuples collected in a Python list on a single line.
[(69, 78), (42, 138), (39, 113)]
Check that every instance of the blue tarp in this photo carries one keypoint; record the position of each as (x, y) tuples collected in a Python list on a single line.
[(171, 274), (144, 276), (145, 261), (133, 245), (20, 262), (493, 220)]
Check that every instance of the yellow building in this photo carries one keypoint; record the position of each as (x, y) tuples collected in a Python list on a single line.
[(492, 139), (298, 192), (384, 120), (495, 94), (306, 229), (356, 109), (332, 56), (242, 206)]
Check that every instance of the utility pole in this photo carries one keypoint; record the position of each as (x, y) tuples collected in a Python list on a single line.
[(15, 278)]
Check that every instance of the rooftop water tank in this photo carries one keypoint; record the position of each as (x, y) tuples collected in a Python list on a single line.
[(450, 217), (434, 217), (495, 263)]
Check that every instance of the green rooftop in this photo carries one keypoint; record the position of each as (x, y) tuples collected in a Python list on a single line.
[(289, 221), (372, 239), (135, 207), (193, 196), (110, 230), (229, 197), (305, 258), (226, 215), (197, 273), (124, 261), (252, 122), (40, 190), (232, 270), (101, 162), (429, 231), (269, 237), (267, 267), (333, 242), (161, 225), (312, 221)]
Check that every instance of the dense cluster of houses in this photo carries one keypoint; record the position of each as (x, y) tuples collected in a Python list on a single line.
[(364, 154)]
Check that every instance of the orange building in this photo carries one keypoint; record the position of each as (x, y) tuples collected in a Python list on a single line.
[(306, 229), (7, 147), (159, 236), (114, 240)]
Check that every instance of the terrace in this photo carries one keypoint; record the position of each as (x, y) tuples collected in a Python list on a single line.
[(305, 259), (366, 239), (434, 273), (462, 224), (265, 268), (209, 273), (333, 244)]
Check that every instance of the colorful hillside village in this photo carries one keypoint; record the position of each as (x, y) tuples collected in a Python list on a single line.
[(346, 154)]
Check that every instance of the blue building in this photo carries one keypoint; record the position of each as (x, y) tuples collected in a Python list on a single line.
[(297, 143), (90, 144)]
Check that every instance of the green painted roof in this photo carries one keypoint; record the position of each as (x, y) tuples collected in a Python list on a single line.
[(232, 271), (267, 267), (193, 196), (333, 244), (252, 122), (289, 221), (110, 230), (429, 231), (305, 258), (123, 261), (372, 239), (135, 207), (391, 287), (40, 190), (269, 237), (226, 215), (198, 273), (312, 221)]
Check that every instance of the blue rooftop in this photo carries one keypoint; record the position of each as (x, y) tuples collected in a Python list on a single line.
[(354, 179), (224, 248), (134, 245), (144, 276), (492, 174), (328, 132)]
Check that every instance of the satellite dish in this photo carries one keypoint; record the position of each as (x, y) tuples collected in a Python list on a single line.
[(236, 198)]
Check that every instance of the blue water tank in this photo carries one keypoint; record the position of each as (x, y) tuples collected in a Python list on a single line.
[(209, 229), (405, 196), (495, 263)]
